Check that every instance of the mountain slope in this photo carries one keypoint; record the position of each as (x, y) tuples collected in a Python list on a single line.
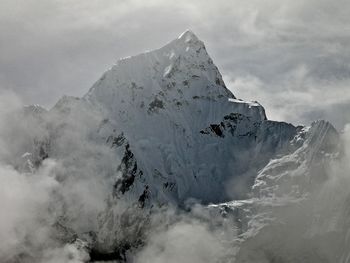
[(174, 109), (158, 129)]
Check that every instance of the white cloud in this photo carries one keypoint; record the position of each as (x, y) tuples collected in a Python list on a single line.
[(23, 199), (183, 242)]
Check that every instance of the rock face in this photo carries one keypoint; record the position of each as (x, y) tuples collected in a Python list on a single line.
[(188, 133), (165, 129), (288, 218)]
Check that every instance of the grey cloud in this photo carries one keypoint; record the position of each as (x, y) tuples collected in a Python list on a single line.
[(295, 49)]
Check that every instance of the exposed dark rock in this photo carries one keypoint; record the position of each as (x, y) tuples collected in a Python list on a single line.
[(143, 197), (119, 254), (217, 130), (41, 152), (116, 141), (155, 105), (129, 171), (169, 185)]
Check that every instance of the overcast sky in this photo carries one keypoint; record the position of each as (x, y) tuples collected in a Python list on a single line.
[(290, 55)]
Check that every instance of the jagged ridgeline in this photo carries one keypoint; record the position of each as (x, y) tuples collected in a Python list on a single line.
[(158, 129)]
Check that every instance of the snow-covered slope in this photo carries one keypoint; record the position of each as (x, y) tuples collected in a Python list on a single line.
[(161, 128), (185, 129), (289, 217)]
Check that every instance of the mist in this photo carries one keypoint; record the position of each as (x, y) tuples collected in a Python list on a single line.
[(58, 169), (310, 227), (39, 194), (291, 56)]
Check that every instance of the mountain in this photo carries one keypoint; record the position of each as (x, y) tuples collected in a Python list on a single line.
[(169, 104), (159, 129)]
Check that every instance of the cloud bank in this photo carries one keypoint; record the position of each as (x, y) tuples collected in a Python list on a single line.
[(292, 56)]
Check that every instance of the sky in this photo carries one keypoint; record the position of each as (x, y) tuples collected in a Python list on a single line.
[(290, 55)]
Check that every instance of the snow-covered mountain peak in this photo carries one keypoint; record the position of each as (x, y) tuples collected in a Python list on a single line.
[(162, 128), (188, 36), (182, 67), (188, 40)]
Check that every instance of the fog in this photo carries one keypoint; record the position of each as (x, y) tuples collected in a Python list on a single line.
[(50, 208), (312, 227), (37, 193)]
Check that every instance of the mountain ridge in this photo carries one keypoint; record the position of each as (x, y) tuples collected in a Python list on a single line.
[(159, 129), (191, 106)]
